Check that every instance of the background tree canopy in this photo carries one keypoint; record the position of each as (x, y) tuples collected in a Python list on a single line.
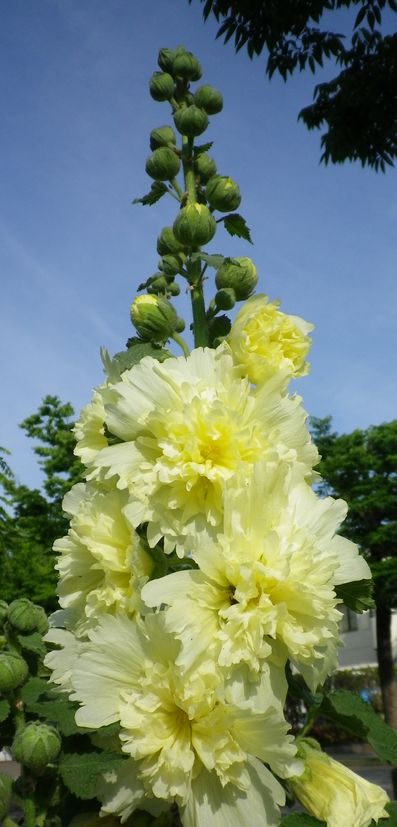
[(30, 520), (358, 107), (361, 467)]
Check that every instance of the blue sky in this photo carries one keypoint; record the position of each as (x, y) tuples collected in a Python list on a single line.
[(76, 116)]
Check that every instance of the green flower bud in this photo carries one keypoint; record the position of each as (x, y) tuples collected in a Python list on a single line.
[(225, 298), (170, 265), (158, 285), (239, 273), (180, 325), (191, 121), (163, 164), (36, 745), (174, 290), (165, 59), (209, 99), (3, 612), (13, 671), (218, 329), (185, 65), (167, 243), (194, 225), (161, 86), (5, 794), (222, 193), (24, 615), (162, 136), (153, 317), (205, 167)]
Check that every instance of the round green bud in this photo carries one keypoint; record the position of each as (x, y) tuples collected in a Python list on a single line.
[(162, 136), (194, 225), (24, 615), (218, 328), (238, 273), (153, 317), (174, 290), (191, 121), (13, 671), (180, 325), (185, 65), (36, 745), (209, 99), (167, 243), (3, 612), (165, 59), (161, 86), (158, 285), (205, 167), (222, 193), (170, 265), (225, 298), (5, 794), (163, 164)]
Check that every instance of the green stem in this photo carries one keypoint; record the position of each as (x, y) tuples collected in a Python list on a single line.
[(181, 342), (8, 822), (200, 327), (188, 169), (175, 185), (29, 811)]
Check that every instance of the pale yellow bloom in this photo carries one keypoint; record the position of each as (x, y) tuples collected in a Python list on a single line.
[(270, 576), (89, 431), (264, 340), (334, 794), (101, 562), (187, 426), (177, 726)]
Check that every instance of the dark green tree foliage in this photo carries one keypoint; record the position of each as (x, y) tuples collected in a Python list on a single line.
[(361, 467), (30, 519), (358, 107)]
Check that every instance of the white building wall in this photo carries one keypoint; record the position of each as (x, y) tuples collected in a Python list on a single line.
[(360, 644)]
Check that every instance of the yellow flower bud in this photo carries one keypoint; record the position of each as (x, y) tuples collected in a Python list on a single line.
[(153, 317), (335, 794), (264, 340)]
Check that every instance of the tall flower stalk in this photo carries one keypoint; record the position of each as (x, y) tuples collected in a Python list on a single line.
[(200, 579)]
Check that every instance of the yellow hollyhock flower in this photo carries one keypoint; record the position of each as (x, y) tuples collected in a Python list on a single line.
[(270, 576), (335, 794), (187, 426), (101, 562), (264, 340), (90, 432), (178, 726)]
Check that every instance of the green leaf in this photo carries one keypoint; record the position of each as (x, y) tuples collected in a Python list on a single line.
[(357, 717), (212, 259), (198, 150), (157, 190), (136, 349), (81, 772), (5, 710), (391, 808), (32, 690), (235, 224), (357, 596), (33, 643), (41, 700), (300, 820)]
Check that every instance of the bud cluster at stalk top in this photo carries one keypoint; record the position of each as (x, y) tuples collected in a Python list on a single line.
[(181, 167)]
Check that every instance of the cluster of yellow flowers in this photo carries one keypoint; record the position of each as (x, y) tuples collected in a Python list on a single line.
[(198, 562)]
